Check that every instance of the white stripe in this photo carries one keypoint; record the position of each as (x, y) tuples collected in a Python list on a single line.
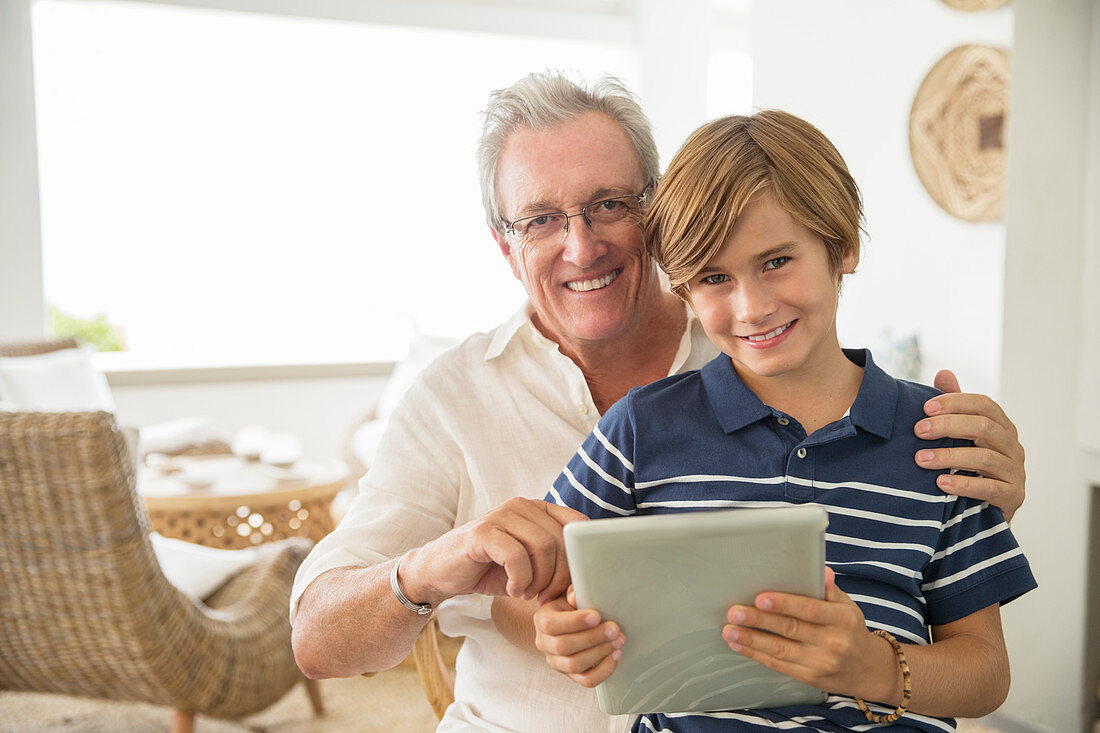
[(904, 572), (602, 473), (971, 570), (649, 726), (839, 701), (875, 516), (704, 503), (612, 449), (897, 546), (977, 508), (874, 488), (698, 478), (592, 497), (796, 723), (897, 631), (557, 497), (970, 541), (871, 600), (686, 503)]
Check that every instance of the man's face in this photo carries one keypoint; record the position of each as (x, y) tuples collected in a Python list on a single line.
[(585, 286)]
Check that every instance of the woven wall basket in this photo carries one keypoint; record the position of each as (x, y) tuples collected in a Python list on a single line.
[(973, 6), (956, 132)]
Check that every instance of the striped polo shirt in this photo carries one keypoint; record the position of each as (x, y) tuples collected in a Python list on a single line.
[(908, 554)]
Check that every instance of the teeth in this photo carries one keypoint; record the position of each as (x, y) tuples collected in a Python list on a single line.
[(770, 334), (583, 286)]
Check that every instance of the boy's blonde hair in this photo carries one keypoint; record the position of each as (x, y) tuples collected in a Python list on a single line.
[(728, 161)]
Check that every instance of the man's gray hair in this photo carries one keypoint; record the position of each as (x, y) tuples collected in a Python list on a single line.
[(542, 100)]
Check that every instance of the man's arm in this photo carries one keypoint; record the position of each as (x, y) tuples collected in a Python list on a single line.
[(997, 456), (334, 613), (349, 621)]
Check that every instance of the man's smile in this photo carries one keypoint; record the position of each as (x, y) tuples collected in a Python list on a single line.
[(583, 286)]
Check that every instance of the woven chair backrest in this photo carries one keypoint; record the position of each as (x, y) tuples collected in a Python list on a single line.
[(82, 599), (33, 348)]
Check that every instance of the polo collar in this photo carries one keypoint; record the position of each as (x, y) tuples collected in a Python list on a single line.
[(877, 400), (735, 406)]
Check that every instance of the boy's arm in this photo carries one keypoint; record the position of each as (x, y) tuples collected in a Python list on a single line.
[(826, 644), (512, 617), (576, 642)]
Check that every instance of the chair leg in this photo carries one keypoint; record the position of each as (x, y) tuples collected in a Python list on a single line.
[(183, 721), (313, 689)]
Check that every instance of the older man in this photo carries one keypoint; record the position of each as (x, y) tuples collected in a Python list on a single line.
[(447, 517)]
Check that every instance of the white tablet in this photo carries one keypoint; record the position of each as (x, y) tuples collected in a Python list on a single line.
[(668, 581)]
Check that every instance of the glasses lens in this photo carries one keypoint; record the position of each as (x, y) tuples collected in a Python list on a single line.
[(535, 229), (613, 211)]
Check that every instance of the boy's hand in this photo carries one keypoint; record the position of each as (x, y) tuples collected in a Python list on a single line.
[(575, 642), (822, 643), (997, 456)]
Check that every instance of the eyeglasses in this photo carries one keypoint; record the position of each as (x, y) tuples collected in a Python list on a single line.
[(601, 216)]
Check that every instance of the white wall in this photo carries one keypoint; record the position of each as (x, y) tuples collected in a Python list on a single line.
[(1054, 138), (852, 68), (21, 310)]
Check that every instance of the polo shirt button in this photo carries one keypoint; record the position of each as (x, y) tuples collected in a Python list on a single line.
[(582, 409), (801, 452), (783, 421)]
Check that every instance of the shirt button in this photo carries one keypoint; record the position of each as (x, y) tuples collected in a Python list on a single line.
[(783, 421), (801, 453), (582, 409)]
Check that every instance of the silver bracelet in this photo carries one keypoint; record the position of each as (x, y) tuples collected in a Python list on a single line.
[(421, 609)]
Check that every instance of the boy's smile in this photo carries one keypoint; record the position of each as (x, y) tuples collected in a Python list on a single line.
[(768, 299)]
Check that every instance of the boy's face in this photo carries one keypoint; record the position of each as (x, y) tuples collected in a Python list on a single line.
[(768, 299)]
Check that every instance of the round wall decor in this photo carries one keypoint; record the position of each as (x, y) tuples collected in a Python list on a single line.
[(956, 132)]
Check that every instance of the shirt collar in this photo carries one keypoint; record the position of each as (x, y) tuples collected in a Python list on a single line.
[(736, 406), (877, 400), (520, 321)]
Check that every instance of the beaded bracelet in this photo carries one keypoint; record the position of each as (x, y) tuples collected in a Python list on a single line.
[(907, 684)]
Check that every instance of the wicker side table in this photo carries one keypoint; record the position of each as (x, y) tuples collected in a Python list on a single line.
[(244, 503)]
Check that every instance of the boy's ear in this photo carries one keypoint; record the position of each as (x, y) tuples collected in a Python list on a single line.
[(849, 260)]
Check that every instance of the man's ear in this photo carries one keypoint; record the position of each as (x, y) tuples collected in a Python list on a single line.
[(506, 250)]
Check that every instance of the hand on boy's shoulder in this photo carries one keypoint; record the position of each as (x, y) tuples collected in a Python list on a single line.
[(996, 459)]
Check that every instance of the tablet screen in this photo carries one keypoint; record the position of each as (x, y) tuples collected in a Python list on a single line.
[(668, 581)]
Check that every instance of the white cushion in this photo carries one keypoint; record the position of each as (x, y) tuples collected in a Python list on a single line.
[(423, 350), (174, 435), (58, 381), (196, 570)]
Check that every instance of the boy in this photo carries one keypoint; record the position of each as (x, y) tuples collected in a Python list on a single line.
[(755, 222)]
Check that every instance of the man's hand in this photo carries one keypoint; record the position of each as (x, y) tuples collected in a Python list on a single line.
[(997, 456), (575, 642), (822, 643), (515, 550)]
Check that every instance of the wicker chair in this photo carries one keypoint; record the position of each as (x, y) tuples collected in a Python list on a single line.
[(84, 607), (33, 348), (435, 678)]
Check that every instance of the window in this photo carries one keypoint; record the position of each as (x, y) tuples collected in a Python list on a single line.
[(235, 188)]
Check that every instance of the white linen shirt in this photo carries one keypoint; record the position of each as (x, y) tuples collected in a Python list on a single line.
[(496, 417)]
